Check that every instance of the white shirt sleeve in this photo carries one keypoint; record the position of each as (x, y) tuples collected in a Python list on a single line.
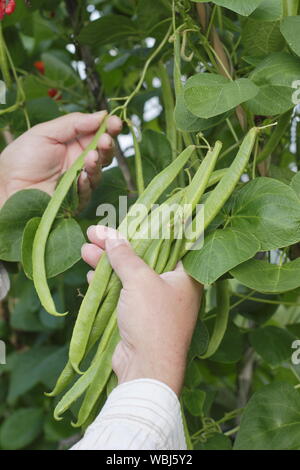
[(143, 414)]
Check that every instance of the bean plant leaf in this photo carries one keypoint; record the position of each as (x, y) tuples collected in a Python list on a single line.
[(215, 442), (63, 248), (268, 10), (230, 350), (14, 215), (295, 184), (271, 420), (275, 87), (21, 428), (187, 121), (109, 29), (261, 38), (59, 72), (266, 277), (256, 310), (39, 365), (194, 401), (207, 95), (268, 209), (290, 29), (273, 344), (222, 250), (243, 8)]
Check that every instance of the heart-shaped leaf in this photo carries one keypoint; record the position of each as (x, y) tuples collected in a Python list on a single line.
[(222, 250), (266, 277), (63, 246), (271, 420), (207, 95)]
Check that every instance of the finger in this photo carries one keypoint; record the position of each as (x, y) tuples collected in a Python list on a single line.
[(90, 276), (106, 149), (66, 128), (93, 234), (84, 187), (91, 254), (129, 267), (114, 126), (93, 168)]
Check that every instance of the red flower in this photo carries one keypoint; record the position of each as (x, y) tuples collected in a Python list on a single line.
[(7, 8), (54, 93), (11, 6), (40, 66)]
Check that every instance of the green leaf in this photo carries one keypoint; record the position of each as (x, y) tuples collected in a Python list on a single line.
[(207, 95), (37, 365), (258, 312), (268, 10), (261, 38), (148, 17), (110, 29), (57, 431), (21, 428), (216, 442), (290, 29), (222, 250), (188, 122), (156, 152), (63, 247), (269, 71), (275, 90), (193, 401), (271, 420), (271, 100), (42, 109), (266, 277), (268, 209), (231, 348), (295, 184), (59, 72), (273, 344), (14, 215), (200, 341), (241, 7)]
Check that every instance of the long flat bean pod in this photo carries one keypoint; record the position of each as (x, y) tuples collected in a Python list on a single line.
[(97, 287), (221, 193), (221, 319), (48, 218)]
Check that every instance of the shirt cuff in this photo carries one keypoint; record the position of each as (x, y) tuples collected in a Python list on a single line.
[(149, 405)]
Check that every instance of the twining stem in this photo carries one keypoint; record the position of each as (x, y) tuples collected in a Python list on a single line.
[(144, 72)]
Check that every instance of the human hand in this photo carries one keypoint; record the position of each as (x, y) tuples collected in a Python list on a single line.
[(156, 314), (41, 155)]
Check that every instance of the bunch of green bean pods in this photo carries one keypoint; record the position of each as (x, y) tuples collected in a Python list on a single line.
[(95, 334)]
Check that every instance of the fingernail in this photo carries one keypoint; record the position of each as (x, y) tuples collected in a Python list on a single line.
[(84, 176), (101, 114), (90, 276), (106, 141), (91, 228), (84, 247)]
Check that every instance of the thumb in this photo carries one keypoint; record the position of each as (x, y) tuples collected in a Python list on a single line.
[(70, 126), (129, 267)]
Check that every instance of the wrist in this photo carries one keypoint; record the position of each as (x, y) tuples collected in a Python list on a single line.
[(133, 365)]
